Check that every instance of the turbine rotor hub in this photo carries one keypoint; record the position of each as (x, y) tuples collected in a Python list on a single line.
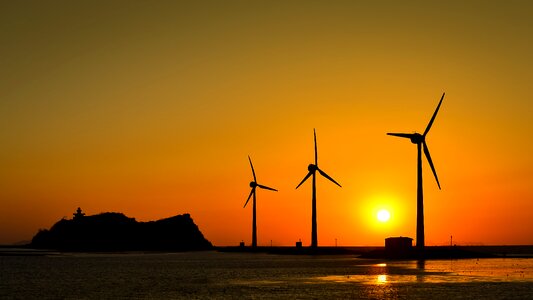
[(312, 168), (417, 138), (253, 184)]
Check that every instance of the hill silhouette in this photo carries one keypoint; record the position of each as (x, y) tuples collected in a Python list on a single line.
[(113, 231)]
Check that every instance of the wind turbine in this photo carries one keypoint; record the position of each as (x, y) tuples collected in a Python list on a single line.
[(254, 185), (420, 141), (312, 168)]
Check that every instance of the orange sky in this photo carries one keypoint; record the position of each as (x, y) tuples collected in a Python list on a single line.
[(151, 109)]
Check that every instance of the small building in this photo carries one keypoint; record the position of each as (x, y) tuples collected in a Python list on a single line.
[(299, 244), (398, 246), (78, 214)]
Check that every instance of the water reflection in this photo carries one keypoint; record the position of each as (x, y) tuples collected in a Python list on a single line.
[(382, 279), (421, 264), (441, 271), (421, 268)]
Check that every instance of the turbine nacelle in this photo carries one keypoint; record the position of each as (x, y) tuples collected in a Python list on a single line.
[(312, 168), (254, 184), (420, 139), (417, 138)]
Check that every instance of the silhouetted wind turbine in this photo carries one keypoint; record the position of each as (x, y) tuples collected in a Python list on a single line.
[(420, 141), (312, 171), (254, 185)]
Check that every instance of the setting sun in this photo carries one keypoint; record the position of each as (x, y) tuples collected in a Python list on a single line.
[(383, 215)]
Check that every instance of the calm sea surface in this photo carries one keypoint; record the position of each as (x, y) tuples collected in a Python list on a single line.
[(201, 275)]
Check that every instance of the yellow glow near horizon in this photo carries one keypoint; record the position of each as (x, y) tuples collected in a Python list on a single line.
[(383, 215)]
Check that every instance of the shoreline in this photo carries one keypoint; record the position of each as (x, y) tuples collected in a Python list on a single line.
[(370, 252), (378, 252)]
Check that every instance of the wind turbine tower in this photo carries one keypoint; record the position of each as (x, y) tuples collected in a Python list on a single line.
[(312, 168), (254, 185), (420, 141)]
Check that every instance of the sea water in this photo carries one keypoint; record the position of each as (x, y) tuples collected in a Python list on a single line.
[(205, 275)]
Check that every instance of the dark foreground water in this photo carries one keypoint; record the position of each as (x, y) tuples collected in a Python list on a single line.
[(203, 275)]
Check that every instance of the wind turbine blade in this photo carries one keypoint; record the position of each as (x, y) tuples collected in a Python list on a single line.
[(328, 177), (266, 187), (305, 178), (249, 196), (434, 115), (403, 135), (316, 151), (253, 172), (426, 151)]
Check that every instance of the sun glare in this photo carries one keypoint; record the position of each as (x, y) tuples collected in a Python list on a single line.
[(383, 215)]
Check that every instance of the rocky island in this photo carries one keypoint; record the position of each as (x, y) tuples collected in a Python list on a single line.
[(113, 231)]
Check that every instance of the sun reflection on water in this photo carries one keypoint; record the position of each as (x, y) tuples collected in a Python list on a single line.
[(455, 271), (382, 279)]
